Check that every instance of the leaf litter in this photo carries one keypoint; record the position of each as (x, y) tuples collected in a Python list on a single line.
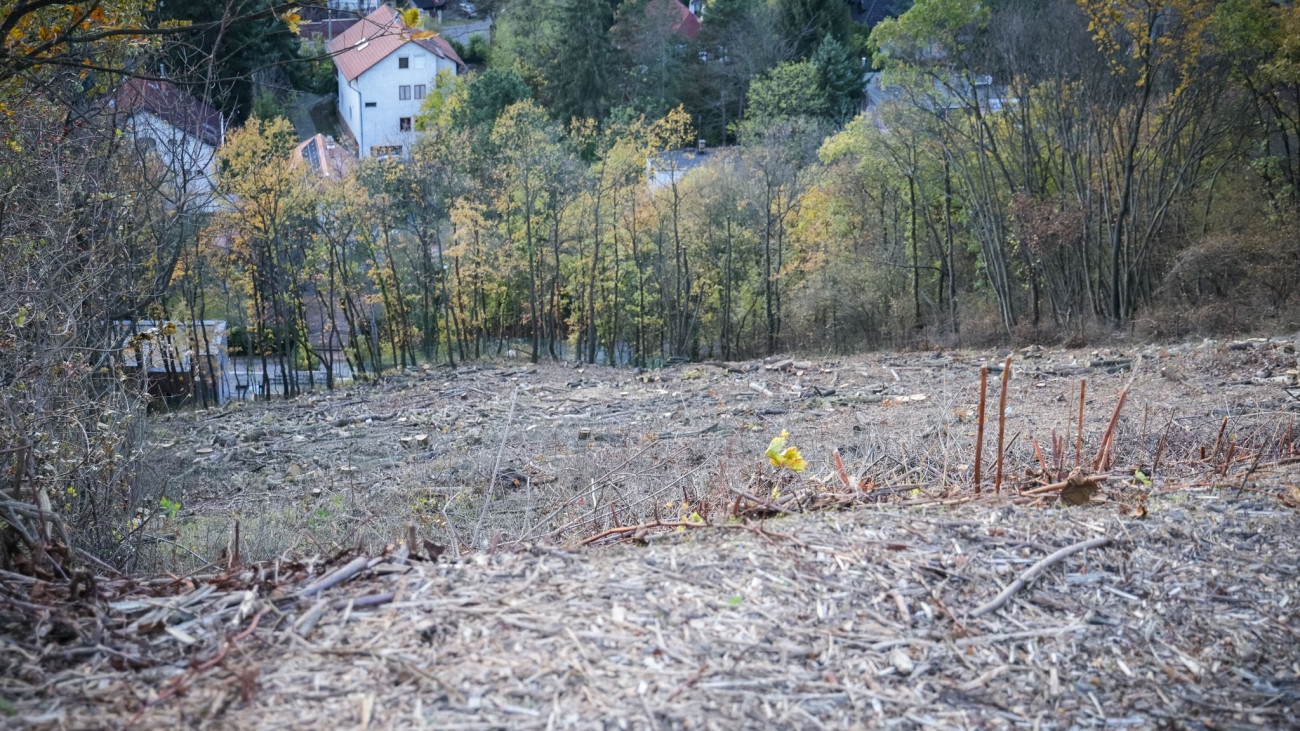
[(705, 588)]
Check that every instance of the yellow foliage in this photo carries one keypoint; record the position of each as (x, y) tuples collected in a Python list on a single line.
[(293, 20), (47, 33), (781, 455), (1151, 33)]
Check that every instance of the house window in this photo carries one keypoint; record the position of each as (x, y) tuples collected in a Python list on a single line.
[(385, 150), (417, 62), (404, 124), (419, 91), (370, 104), (404, 92), (403, 62)]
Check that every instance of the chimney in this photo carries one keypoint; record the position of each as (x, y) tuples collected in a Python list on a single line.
[(701, 146)]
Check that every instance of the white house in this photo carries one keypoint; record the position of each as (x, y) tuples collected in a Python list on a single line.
[(670, 166), (385, 70), (354, 6), (178, 133)]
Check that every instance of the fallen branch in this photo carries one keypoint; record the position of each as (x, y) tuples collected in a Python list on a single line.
[(634, 529), (369, 600), (349, 420), (761, 502), (1034, 571), (337, 577), (1094, 479), (177, 686)]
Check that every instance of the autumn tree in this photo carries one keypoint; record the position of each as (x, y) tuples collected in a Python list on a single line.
[(531, 159), (267, 226)]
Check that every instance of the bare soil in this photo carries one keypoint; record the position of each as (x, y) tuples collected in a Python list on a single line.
[(616, 553)]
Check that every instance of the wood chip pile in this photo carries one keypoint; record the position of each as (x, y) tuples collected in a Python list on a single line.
[(619, 554), (863, 617)]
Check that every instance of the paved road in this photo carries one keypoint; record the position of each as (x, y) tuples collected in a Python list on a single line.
[(462, 33), (300, 114)]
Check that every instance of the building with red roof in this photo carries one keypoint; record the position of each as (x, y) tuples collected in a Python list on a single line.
[(685, 23), (384, 71)]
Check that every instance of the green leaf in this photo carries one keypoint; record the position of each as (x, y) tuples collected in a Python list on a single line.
[(735, 601), (1142, 478)]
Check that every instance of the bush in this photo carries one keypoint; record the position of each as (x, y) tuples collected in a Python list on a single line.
[(267, 107), (478, 50)]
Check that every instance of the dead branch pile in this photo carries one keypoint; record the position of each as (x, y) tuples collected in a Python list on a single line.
[(1138, 568), (986, 614)]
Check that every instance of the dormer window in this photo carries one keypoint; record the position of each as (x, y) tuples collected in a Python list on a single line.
[(403, 62)]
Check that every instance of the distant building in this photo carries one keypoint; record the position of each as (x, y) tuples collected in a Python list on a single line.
[(326, 28), (954, 94), (385, 70), (354, 6), (325, 156), (685, 23), (177, 363), (180, 132), (670, 166), (871, 12)]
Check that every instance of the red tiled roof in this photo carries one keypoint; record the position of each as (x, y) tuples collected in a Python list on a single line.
[(373, 38), (172, 105), (687, 25)]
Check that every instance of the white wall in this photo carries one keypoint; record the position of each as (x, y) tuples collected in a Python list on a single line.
[(364, 6), (379, 125), (349, 104), (188, 164)]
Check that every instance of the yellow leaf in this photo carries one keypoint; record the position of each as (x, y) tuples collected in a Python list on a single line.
[(792, 460), (293, 20), (776, 447), (782, 456)]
